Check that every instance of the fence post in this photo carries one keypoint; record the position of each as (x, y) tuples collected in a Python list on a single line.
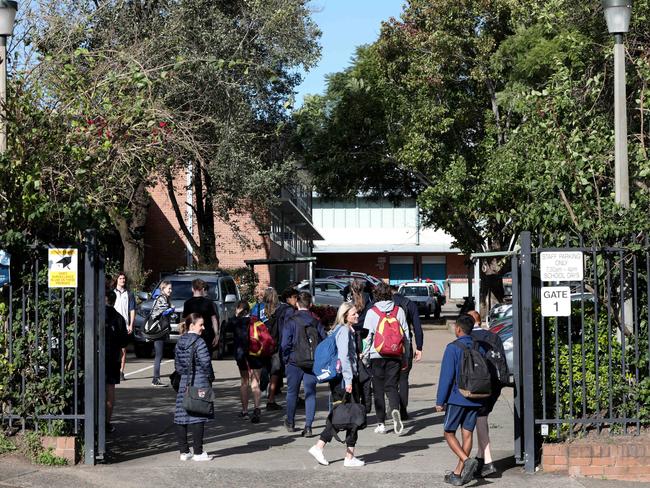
[(90, 349), (516, 361), (527, 350)]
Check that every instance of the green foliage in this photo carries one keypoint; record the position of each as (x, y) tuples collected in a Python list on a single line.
[(47, 367), (6, 445), (33, 449), (246, 282), (501, 110)]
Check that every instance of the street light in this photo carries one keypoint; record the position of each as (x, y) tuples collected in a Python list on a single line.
[(8, 10), (617, 15)]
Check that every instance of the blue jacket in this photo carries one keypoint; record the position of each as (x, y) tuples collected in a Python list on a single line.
[(449, 371), (204, 373), (302, 318)]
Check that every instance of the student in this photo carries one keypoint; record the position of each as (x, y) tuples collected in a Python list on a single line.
[(460, 411), (189, 339), (162, 305), (385, 369), (415, 328), (347, 352), (361, 300), (116, 339), (201, 304), (250, 367), (486, 467), (282, 313), (125, 305), (296, 375)]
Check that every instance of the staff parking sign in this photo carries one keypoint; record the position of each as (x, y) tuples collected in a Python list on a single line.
[(62, 265)]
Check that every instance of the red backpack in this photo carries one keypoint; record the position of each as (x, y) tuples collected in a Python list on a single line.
[(389, 336), (260, 342)]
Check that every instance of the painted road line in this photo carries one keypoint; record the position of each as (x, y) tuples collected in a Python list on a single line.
[(148, 367)]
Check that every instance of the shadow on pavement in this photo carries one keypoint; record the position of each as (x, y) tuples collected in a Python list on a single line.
[(398, 451)]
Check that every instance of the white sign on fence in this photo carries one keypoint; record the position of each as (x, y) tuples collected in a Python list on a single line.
[(556, 301), (562, 266)]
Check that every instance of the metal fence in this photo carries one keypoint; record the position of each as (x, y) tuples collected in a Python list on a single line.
[(588, 370), (53, 341)]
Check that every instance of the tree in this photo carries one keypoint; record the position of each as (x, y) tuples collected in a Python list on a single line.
[(504, 109), (148, 86)]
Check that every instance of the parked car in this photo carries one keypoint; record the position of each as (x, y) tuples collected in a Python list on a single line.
[(423, 296), (326, 291), (222, 291)]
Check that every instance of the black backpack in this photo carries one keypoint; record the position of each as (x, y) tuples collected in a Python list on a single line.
[(495, 356), (474, 378), (304, 346)]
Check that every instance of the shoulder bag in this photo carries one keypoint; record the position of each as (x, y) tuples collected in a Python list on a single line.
[(198, 400)]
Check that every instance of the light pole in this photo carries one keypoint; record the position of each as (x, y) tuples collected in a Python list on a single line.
[(617, 15), (8, 10)]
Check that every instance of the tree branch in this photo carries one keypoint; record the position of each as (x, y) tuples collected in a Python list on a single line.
[(177, 211)]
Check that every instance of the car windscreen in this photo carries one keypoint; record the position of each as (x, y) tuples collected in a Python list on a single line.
[(415, 291), (182, 290)]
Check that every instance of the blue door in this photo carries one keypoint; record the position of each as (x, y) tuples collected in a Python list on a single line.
[(436, 272), (400, 273)]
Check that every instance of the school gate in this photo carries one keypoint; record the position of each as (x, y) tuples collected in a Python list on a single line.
[(580, 340), (52, 336)]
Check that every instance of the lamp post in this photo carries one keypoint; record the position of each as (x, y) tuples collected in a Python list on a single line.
[(8, 10), (617, 15)]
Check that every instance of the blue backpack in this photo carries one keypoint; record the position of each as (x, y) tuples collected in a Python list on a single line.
[(327, 366)]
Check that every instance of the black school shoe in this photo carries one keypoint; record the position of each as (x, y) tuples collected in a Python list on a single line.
[(306, 432), (488, 470), (479, 468), (255, 419), (453, 479), (469, 468), (288, 426)]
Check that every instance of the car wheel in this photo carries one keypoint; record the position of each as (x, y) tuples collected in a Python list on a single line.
[(143, 350)]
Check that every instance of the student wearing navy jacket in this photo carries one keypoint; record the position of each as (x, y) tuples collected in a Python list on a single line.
[(460, 411), (295, 374)]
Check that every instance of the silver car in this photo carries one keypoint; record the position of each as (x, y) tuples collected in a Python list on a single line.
[(422, 295), (222, 291), (326, 291)]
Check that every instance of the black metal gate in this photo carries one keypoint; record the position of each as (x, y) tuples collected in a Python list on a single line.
[(53, 342), (586, 370)]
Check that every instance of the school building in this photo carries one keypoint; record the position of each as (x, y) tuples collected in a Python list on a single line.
[(289, 234), (385, 240)]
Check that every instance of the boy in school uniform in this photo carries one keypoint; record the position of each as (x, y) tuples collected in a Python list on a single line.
[(459, 411)]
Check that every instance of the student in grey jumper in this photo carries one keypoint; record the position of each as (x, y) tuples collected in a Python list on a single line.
[(386, 370), (346, 319)]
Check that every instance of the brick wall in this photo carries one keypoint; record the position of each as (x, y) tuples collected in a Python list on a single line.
[(616, 461), (237, 241)]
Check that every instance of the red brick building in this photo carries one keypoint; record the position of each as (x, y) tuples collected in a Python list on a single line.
[(290, 235)]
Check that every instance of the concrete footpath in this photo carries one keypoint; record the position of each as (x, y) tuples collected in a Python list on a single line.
[(143, 449)]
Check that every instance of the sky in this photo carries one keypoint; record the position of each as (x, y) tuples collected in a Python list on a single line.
[(345, 24)]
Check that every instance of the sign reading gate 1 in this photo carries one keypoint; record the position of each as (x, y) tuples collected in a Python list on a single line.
[(62, 268), (556, 301)]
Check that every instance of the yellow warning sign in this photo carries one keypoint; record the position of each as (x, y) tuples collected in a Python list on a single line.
[(62, 268)]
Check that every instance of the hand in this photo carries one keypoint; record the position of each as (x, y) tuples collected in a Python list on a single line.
[(348, 388), (418, 355), (215, 341), (440, 408), (129, 329)]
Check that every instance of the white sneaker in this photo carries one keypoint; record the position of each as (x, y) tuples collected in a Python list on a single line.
[(380, 429), (398, 426), (204, 456), (353, 463), (318, 455), (186, 456)]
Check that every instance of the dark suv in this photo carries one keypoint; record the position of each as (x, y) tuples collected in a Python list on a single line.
[(222, 291)]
